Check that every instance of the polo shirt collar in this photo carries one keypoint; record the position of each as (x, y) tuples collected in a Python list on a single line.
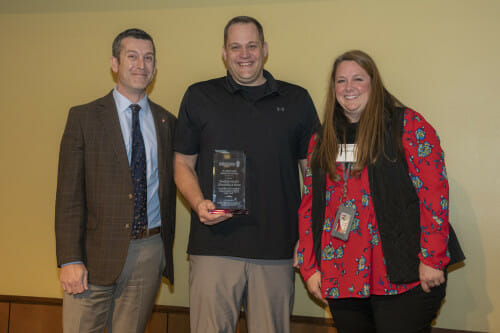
[(233, 87)]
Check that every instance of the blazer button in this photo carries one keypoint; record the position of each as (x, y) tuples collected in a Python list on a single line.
[(130, 196), (127, 226)]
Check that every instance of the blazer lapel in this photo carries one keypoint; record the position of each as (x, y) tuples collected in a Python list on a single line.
[(162, 136), (110, 121)]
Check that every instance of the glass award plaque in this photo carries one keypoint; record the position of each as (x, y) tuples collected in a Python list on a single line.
[(229, 175)]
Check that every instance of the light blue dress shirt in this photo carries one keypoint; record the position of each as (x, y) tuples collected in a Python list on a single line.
[(149, 134)]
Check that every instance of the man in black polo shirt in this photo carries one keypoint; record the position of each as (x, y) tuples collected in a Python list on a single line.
[(247, 259)]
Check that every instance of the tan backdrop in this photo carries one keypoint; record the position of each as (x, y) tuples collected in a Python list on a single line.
[(439, 57)]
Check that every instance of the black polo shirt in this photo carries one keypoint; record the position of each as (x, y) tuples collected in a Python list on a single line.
[(274, 131)]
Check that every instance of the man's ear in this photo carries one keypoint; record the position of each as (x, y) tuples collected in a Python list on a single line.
[(114, 64), (224, 53)]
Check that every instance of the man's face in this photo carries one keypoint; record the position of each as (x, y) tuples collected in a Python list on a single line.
[(244, 54), (135, 68)]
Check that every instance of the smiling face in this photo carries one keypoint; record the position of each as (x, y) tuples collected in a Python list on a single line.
[(352, 89), (135, 68), (244, 54)]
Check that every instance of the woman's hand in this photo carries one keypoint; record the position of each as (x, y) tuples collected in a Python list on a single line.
[(430, 277), (314, 286), (296, 255)]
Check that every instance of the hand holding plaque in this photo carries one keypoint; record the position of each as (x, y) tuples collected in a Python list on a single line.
[(229, 175)]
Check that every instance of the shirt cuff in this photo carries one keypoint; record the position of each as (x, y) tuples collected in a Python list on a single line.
[(71, 263)]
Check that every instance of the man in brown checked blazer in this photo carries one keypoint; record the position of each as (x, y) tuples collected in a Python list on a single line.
[(115, 204)]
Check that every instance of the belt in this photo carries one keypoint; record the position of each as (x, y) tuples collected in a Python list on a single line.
[(148, 232)]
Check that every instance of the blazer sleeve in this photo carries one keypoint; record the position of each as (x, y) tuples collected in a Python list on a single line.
[(70, 196)]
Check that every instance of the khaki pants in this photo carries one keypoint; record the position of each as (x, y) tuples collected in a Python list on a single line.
[(126, 305), (219, 286)]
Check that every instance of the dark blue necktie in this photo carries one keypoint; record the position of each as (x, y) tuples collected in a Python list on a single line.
[(138, 171)]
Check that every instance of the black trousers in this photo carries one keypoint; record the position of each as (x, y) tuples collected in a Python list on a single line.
[(409, 312)]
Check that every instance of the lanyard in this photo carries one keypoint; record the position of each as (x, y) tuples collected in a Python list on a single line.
[(345, 174)]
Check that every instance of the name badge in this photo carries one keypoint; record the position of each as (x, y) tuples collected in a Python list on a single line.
[(347, 153), (343, 222)]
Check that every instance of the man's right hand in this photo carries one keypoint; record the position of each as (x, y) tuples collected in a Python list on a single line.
[(203, 209), (74, 278), (186, 180)]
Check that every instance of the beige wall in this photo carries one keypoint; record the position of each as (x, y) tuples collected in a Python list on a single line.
[(440, 57)]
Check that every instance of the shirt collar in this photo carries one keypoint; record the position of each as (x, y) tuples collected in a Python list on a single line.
[(271, 83), (122, 102)]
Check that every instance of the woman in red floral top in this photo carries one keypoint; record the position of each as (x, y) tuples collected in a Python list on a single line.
[(363, 124)]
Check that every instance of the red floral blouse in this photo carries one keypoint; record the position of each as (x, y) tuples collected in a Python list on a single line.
[(356, 267)]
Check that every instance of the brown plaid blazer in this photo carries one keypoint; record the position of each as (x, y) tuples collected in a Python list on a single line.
[(94, 200)]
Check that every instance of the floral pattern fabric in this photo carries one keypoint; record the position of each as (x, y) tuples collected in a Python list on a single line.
[(356, 267)]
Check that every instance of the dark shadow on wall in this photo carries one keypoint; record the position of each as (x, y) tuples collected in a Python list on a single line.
[(468, 305)]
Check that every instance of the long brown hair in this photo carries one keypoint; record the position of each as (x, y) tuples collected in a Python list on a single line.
[(370, 133)]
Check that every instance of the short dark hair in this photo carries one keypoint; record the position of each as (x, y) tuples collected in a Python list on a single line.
[(244, 20), (134, 33)]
